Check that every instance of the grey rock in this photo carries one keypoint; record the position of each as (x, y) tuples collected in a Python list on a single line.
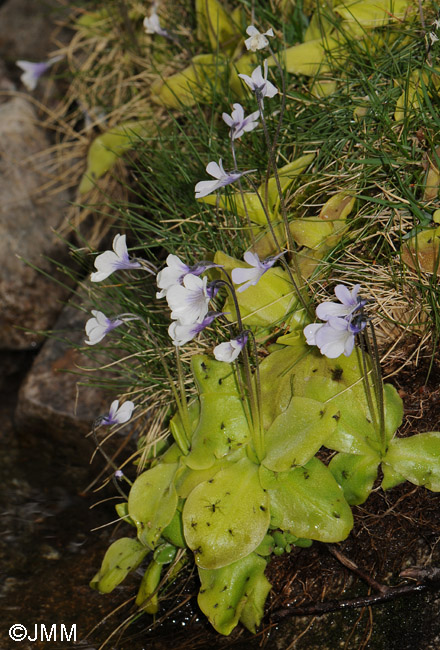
[(52, 400), (26, 28), (28, 216)]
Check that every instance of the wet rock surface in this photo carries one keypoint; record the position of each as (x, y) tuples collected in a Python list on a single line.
[(53, 400)]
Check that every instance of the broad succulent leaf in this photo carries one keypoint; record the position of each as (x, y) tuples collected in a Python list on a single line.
[(226, 517), (152, 502), (355, 474), (234, 592), (417, 459), (308, 502), (298, 433), (121, 557), (222, 427)]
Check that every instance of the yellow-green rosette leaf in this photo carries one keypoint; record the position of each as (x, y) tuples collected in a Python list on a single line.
[(121, 557), (106, 149), (147, 597), (422, 252), (355, 474), (234, 593), (369, 14), (239, 204), (286, 176), (226, 517), (309, 58), (417, 459), (213, 22), (196, 83), (308, 502), (298, 433), (152, 502), (222, 427)]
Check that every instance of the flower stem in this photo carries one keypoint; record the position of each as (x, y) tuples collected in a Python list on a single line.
[(253, 401), (181, 403), (378, 383), (240, 187)]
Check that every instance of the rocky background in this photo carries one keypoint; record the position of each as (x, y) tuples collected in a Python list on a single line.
[(47, 552)]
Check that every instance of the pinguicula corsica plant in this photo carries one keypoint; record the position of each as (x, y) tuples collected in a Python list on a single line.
[(240, 478)]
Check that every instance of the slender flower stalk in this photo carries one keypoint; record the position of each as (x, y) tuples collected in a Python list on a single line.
[(240, 189), (252, 403)]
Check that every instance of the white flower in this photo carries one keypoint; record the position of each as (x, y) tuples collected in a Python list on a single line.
[(111, 261), (433, 37), (152, 24), (189, 302), (332, 338), (257, 41), (172, 274), (203, 188), (436, 23), (349, 303), (33, 71), (181, 333), (118, 414), (259, 83), (175, 272), (240, 124), (251, 276), (230, 350), (99, 326)]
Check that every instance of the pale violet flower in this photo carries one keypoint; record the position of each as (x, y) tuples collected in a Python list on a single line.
[(175, 271), (259, 84), (256, 40), (99, 326), (251, 276), (344, 320), (33, 71), (240, 124), (348, 303), (222, 178), (230, 350), (189, 301), (181, 333), (335, 337), (152, 24), (115, 260), (118, 414)]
